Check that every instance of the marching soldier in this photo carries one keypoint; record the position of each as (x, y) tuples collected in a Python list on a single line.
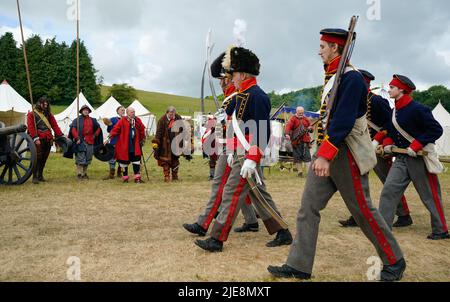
[(252, 106), (379, 113), (412, 127), (40, 123), (130, 134), (208, 142), (222, 170), (297, 131), (342, 163)]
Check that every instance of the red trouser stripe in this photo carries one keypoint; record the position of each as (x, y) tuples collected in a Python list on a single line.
[(405, 205), (359, 192), (237, 194), (218, 199), (248, 201), (437, 201)]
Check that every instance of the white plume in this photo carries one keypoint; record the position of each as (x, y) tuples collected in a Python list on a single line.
[(239, 30)]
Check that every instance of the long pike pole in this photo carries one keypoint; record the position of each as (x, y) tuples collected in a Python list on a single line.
[(78, 67), (27, 69)]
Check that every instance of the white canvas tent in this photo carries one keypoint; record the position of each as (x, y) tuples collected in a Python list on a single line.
[(443, 117), (107, 110), (146, 116), (13, 107), (65, 118)]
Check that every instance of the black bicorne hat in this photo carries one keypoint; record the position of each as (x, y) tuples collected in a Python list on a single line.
[(217, 70)]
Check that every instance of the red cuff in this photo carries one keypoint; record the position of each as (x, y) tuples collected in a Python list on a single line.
[(327, 150), (416, 146), (379, 137), (255, 154), (388, 142)]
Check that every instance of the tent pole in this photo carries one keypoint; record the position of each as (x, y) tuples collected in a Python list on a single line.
[(27, 69), (78, 66)]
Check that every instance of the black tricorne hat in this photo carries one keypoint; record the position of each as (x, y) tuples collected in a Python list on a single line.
[(239, 59)]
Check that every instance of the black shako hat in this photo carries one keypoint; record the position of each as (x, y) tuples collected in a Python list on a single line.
[(367, 75), (239, 59)]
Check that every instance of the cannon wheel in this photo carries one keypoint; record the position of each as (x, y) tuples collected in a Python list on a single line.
[(22, 157)]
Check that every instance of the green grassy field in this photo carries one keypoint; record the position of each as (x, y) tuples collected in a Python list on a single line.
[(157, 103), (129, 232)]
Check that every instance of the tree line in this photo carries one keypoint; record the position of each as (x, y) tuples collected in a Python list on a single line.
[(52, 69)]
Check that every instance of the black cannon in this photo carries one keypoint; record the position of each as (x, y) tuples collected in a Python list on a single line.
[(17, 155)]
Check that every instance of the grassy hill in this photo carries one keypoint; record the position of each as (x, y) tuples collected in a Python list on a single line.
[(157, 103)]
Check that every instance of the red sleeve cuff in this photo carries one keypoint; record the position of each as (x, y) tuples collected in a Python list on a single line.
[(379, 137), (388, 142), (255, 154), (416, 146), (328, 151)]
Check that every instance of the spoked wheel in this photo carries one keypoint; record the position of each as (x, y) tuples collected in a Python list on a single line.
[(20, 160)]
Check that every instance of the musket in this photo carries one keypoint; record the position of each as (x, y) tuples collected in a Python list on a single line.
[(278, 110), (403, 151), (346, 55)]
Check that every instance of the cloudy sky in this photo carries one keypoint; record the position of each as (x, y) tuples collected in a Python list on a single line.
[(159, 45)]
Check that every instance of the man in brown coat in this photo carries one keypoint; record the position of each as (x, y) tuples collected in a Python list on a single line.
[(169, 127)]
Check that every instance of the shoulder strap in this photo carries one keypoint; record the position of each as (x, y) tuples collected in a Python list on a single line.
[(43, 119), (400, 129)]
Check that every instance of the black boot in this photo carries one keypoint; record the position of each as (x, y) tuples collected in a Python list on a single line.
[(442, 236), (284, 237), (288, 272), (247, 228), (392, 273), (349, 223), (211, 245), (195, 228), (403, 221)]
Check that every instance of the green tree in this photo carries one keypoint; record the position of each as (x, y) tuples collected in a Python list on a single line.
[(88, 77), (432, 96), (54, 68), (124, 93), (9, 55), (34, 48)]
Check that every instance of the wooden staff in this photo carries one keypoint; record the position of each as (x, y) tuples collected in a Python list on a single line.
[(27, 69), (78, 67)]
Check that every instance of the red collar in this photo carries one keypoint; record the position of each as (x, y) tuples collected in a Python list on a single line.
[(333, 66), (247, 84), (229, 90), (403, 102)]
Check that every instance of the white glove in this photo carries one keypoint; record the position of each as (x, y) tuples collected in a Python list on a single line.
[(411, 152), (375, 144), (230, 160), (388, 149), (221, 116), (248, 169)]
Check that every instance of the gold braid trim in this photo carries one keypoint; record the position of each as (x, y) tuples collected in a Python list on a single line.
[(243, 98)]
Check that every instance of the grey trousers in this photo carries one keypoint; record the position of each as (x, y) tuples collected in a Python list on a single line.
[(404, 171), (213, 206), (234, 194), (354, 189), (84, 158), (382, 171)]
